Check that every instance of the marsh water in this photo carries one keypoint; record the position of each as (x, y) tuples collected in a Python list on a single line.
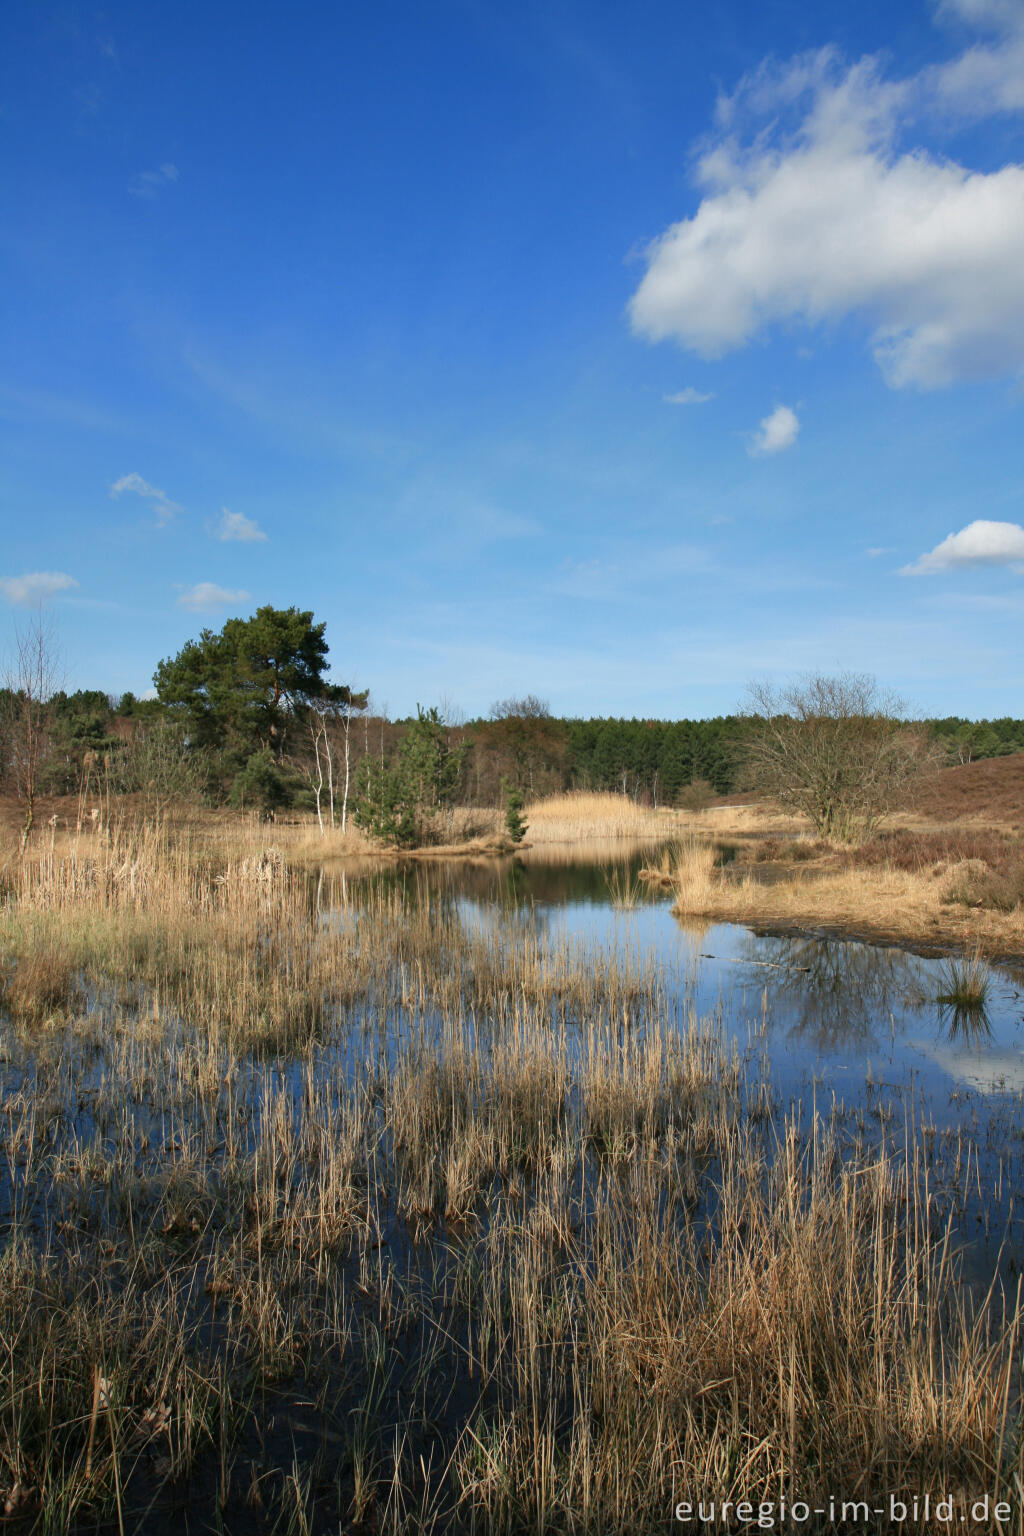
[(852, 1031), (834, 1016)]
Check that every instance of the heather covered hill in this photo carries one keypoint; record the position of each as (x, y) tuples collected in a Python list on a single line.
[(990, 789)]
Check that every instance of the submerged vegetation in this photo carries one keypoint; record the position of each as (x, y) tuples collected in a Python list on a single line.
[(329, 1213)]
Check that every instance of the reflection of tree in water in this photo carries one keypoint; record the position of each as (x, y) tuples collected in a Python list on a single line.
[(585, 881), (509, 881), (836, 993)]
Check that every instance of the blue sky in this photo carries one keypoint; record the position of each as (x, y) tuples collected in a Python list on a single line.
[(618, 355)]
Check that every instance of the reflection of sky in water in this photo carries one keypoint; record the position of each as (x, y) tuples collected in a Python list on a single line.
[(832, 1008), (835, 1014)]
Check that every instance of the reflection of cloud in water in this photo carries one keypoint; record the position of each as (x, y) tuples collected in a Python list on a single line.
[(996, 1070)]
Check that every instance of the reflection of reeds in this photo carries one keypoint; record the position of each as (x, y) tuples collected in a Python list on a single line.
[(969, 1026), (506, 1238)]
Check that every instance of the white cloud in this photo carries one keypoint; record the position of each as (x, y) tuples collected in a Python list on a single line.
[(980, 543), (236, 527), (164, 507), (149, 183), (687, 396), (812, 211), (206, 595), (989, 77), (776, 432), (35, 586)]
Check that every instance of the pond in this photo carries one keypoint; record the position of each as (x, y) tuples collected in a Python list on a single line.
[(855, 1032), (832, 1014)]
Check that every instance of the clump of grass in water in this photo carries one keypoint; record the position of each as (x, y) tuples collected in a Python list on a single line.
[(963, 998), (695, 876), (965, 983), (623, 890)]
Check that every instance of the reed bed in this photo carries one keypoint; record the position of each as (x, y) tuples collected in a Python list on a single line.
[(582, 815), (322, 1214)]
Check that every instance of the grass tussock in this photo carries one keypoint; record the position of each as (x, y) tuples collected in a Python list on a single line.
[(42, 985), (323, 1213), (625, 890), (965, 983), (695, 876)]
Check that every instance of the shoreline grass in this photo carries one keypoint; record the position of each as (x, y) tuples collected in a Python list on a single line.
[(939, 899)]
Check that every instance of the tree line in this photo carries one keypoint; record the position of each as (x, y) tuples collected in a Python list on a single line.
[(249, 715)]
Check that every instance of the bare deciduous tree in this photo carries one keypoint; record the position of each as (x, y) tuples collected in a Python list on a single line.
[(839, 749), (32, 679)]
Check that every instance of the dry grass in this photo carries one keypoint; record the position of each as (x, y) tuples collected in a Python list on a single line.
[(329, 1215), (691, 867), (570, 819), (945, 900), (745, 818), (582, 815)]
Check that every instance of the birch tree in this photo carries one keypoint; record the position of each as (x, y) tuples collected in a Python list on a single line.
[(331, 717)]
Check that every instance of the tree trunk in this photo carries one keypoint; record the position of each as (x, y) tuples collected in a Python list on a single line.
[(348, 774), (318, 786)]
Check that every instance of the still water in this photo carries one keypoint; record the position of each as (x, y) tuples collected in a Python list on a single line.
[(835, 1018)]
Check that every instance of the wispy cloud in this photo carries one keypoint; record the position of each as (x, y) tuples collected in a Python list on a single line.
[(487, 522), (163, 506), (776, 432), (980, 543), (816, 205), (688, 396), (622, 572), (35, 586), (235, 527), (149, 183), (206, 596), (19, 404)]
